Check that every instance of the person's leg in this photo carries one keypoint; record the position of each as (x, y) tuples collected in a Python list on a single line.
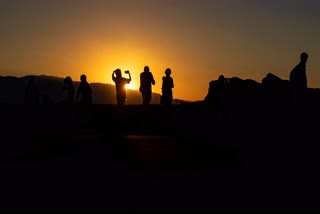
[(170, 99), (121, 102), (149, 98), (118, 101)]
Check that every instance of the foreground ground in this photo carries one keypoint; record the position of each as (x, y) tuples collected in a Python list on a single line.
[(158, 159)]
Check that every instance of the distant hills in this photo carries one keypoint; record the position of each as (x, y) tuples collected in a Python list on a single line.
[(12, 91), (272, 89)]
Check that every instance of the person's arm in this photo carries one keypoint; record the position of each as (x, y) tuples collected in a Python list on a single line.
[(152, 80), (305, 82), (163, 79), (72, 94), (113, 76), (172, 86), (78, 93), (140, 89), (128, 72)]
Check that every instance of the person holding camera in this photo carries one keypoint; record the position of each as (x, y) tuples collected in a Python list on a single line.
[(120, 85)]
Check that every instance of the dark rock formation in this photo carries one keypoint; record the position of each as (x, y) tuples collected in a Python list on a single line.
[(272, 91), (275, 89), (236, 91)]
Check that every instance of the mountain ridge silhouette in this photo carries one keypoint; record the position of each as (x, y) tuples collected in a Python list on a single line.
[(12, 91)]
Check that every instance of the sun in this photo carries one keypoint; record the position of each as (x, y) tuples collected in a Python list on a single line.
[(130, 86), (126, 65)]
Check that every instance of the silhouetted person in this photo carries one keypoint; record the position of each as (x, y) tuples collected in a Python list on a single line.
[(298, 79), (32, 91), (68, 91), (146, 82), (167, 86), (220, 91), (121, 85), (85, 91)]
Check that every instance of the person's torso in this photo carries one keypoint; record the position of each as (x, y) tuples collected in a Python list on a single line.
[(298, 76), (167, 83), (121, 85), (146, 80), (86, 91)]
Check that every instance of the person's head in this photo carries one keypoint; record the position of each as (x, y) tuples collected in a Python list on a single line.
[(221, 79), (83, 78), (168, 72), (146, 69), (304, 57), (118, 72), (68, 80)]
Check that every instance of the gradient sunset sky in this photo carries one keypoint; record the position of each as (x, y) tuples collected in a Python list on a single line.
[(198, 39)]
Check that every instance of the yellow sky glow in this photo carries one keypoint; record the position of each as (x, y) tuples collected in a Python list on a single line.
[(198, 40)]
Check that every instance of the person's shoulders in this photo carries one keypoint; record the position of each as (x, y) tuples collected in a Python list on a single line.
[(295, 68), (299, 67)]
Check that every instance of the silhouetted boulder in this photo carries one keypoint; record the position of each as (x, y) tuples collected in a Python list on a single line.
[(313, 96), (272, 81), (275, 89), (235, 91)]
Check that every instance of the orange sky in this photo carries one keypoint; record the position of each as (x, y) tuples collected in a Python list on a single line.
[(198, 40)]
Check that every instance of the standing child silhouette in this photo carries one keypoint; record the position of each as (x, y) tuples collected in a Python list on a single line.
[(167, 86), (85, 91)]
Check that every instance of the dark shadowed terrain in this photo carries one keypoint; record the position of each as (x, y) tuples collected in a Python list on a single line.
[(151, 158), (256, 152)]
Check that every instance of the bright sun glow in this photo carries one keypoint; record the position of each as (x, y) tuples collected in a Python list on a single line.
[(130, 86), (132, 67)]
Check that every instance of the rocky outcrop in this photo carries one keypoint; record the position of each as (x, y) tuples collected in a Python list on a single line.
[(275, 89), (272, 90), (235, 90)]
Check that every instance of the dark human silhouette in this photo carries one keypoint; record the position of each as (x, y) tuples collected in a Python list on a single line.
[(146, 82), (121, 85), (223, 92), (298, 79), (32, 91), (85, 91), (167, 86), (221, 95), (85, 110), (68, 91)]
